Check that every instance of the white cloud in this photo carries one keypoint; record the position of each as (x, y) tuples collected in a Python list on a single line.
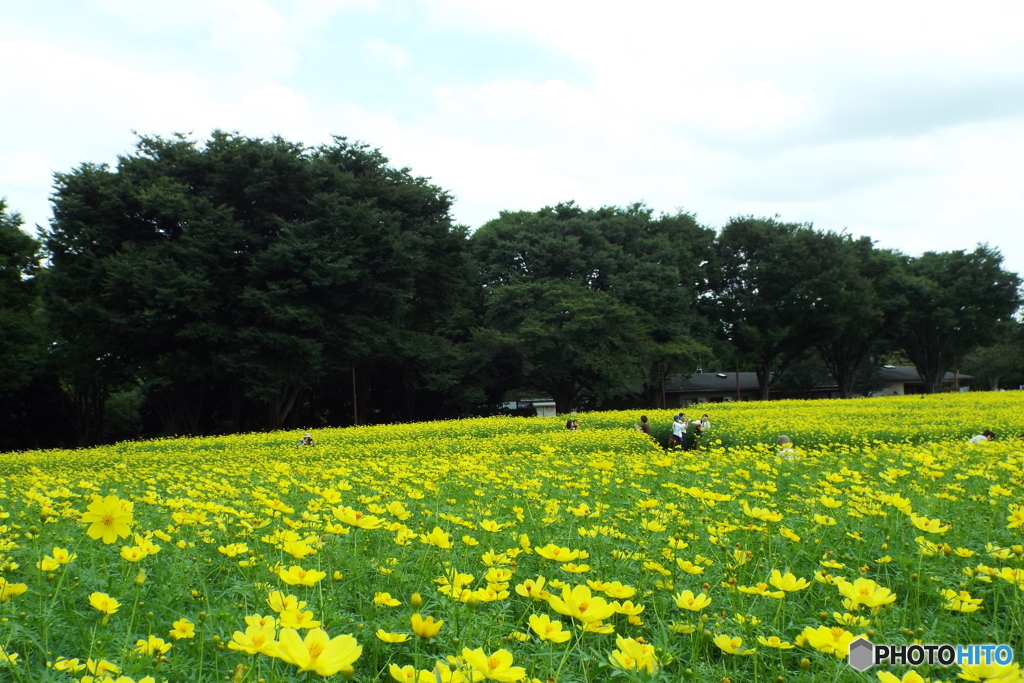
[(386, 52), (903, 121)]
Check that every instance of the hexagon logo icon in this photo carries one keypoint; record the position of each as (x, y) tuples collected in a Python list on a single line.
[(862, 654)]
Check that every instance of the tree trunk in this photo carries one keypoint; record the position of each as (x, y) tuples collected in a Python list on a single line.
[(842, 362), (84, 406), (764, 381), (280, 405)]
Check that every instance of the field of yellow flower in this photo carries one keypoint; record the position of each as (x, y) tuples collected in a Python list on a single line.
[(512, 549)]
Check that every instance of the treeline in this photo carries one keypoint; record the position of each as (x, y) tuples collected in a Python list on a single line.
[(245, 284)]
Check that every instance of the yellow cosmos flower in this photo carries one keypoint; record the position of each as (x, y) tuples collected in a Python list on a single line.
[(864, 592), (425, 628), (437, 538), (72, 665), (960, 601), (296, 618), (47, 564), (10, 590), (615, 589), (821, 577), (183, 628), (761, 514), (357, 519), (775, 642), (732, 646), (558, 554), (297, 576), (573, 568), (931, 526), (687, 600), (233, 549), (494, 667), (58, 557), (850, 619), (317, 652), (101, 667), (899, 502), (689, 567), (391, 637), (762, 590), (257, 638), (634, 655), (580, 604), (546, 629), (833, 641), (533, 589), (653, 525), (403, 674), (908, 677), (261, 621), (151, 646), (627, 608), (298, 549), (991, 673), (109, 519), (279, 602), (133, 553), (104, 603), (385, 599), (787, 582), (469, 540), (397, 510)]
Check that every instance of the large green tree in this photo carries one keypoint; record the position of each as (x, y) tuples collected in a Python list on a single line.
[(851, 304), (568, 339), (761, 284), (21, 338), (242, 273), (954, 303), (1000, 363), (653, 268)]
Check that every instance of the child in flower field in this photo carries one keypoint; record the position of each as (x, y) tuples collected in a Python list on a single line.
[(678, 437), (644, 426), (785, 445), (983, 437)]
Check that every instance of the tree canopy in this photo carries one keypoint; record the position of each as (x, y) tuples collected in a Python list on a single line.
[(241, 283)]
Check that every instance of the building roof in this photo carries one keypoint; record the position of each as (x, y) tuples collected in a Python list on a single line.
[(710, 382), (908, 373)]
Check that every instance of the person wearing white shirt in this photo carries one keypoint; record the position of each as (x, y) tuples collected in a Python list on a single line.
[(982, 438)]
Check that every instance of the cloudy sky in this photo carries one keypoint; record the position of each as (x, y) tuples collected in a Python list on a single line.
[(903, 121)]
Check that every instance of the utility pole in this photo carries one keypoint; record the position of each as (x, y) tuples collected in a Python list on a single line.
[(664, 402), (737, 379), (355, 411)]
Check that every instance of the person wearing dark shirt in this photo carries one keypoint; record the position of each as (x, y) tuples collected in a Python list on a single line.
[(644, 426)]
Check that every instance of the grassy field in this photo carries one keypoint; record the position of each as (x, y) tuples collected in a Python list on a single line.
[(542, 553)]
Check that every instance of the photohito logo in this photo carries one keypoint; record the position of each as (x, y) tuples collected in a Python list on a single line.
[(864, 654)]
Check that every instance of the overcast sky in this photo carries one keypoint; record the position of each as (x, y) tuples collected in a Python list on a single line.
[(903, 121)]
